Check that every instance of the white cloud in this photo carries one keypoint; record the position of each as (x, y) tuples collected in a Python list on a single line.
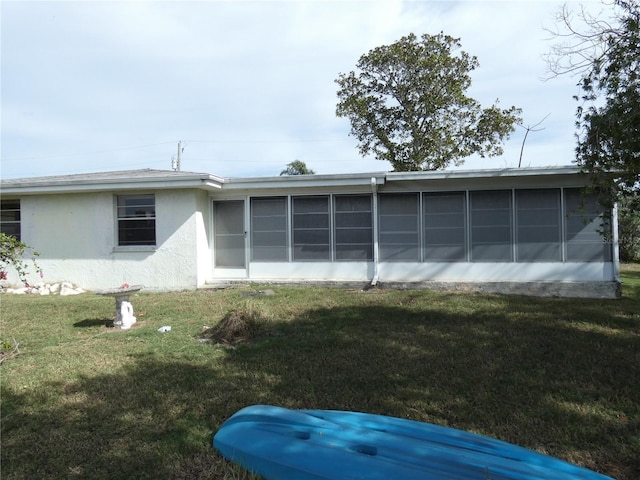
[(249, 85)]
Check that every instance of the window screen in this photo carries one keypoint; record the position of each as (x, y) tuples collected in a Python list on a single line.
[(136, 219), (269, 229), (399, 231), (583, 227), (445, 226), (311, 228), (538, 225), (353, 229), (10, 218), (491, 226), (228, 225)]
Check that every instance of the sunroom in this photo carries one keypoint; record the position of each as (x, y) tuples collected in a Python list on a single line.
[(522, 226)]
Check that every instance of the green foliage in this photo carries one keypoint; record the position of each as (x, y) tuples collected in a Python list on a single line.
[(12, 252), (297, 167), (407, 105), (608, 118), (629, 227)]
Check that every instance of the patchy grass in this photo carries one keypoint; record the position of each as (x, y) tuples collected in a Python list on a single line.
[(82, 400), (631, 279)]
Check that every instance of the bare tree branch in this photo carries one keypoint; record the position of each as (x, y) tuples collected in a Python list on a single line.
[(583, 39), (530, 129)]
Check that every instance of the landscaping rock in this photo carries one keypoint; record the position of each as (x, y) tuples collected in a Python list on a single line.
[(63, 289), (17, 291)]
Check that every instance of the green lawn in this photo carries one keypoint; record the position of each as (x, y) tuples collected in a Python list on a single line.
[(81, 400)]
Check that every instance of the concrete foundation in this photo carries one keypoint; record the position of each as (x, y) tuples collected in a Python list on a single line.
[(598, 290)]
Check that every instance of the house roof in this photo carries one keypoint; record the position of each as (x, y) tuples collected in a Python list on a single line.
[(169, 179), (120, 180), (496, 177)]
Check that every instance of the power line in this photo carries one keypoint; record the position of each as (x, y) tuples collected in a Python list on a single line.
[(215, 141), (93, 152), (273, 141)]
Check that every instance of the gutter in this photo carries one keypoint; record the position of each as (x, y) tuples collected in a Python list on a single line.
[(376, 256), (484, 173), (110, 181), (303, 181)]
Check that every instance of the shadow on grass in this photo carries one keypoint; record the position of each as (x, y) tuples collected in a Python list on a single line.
[(94, 322), (516, 370)]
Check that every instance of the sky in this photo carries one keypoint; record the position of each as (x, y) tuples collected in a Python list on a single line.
[(247, 87)]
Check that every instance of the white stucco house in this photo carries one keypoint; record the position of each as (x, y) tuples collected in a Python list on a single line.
[(528, 230)]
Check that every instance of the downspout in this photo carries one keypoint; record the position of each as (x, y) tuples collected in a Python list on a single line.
[(374, 190), (616, 243)]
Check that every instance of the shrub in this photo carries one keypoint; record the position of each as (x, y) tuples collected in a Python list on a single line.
[(12, 253)]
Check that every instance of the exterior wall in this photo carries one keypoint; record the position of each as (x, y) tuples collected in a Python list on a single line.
[(386, 240), (497, 272), (203, 247), (438, 272), (327, 271), (76, 235)]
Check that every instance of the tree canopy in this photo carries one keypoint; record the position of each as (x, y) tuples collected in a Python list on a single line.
[(606, 55), (407, 105), (297, 167)]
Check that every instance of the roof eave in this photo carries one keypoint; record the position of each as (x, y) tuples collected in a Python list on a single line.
[(211, 183), (302, 181), (204, 182), (484, 173)]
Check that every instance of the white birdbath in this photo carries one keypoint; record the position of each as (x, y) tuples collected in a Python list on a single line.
[(124, 309)]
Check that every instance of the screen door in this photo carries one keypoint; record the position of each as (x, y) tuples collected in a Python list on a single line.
[(229, 232)]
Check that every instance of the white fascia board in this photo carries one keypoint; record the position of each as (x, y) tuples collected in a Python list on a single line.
[(69, 186), (483, 173), (304, 181)]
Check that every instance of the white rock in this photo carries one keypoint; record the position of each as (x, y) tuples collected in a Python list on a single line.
[(41, 288), (65, 291), (18, 291)]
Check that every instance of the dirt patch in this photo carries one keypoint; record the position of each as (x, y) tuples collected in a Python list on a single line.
[(237, 327)]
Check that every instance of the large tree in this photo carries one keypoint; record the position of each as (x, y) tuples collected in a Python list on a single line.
[(605, 53), (408, 105)]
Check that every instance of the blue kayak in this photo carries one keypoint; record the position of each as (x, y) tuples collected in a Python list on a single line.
[(281, 444)]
